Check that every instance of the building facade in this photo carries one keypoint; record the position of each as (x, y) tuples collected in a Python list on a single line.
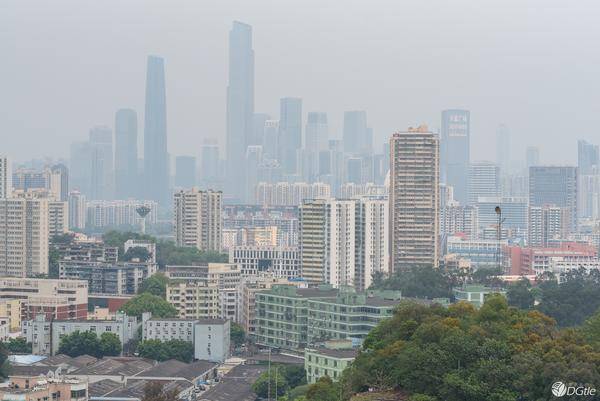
[(198, 220)]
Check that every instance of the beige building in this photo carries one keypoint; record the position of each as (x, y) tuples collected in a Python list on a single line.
[(55, 387), (24, 233), (11, 309), (414, 198), (56, 299), (58, 211), (5, 177), (198, 221), (194, 300)]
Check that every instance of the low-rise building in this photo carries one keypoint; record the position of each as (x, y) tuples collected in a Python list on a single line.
[(293, 318), (11, 309), (138, 243), (37, 388), (86, 249), (480, 253), (120, 278), (56, 299), (536, 260), (211, 337), (329, 360), (45, 335), (475, 294)]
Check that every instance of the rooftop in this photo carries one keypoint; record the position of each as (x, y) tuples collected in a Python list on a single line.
[(335, 353)]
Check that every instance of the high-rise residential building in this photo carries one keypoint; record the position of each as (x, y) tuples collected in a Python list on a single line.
[(51, 180), (118, 213), (77, 210), (156, 161), (290, 133), (24, 234), (414, 199), (587, 157), (290, 194), (80, 165), (356, 133), (514, 213), (455, 219), (258, 128), (209, 164), (59, 182), (102, 173), (455, 152), (344, 241), (503, 149), (547, 223), (185, 171), (5, 177), (557, 186), (126, 154), (484, 180), (198, 221), (532, 156), (240, 105)]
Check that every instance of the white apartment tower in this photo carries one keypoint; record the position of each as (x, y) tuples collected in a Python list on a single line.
[(414, 199), (5, 177), (24, 234), (198, 221)]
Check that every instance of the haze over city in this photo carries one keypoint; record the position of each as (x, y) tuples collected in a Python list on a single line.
[(69, 65)]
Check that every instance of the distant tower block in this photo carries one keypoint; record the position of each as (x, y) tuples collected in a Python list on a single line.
[(143, 211)]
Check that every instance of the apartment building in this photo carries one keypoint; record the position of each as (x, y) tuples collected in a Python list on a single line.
[(198, 220)]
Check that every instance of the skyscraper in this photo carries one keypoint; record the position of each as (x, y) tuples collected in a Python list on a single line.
[(77, 210), (156, 166), (126, 154), (356, 133), (455, 151), (532, 156), (209, 165), (290, 133), (316, 134), (414, 199), (59, 182), (80, 166), (5, 177), (102, 173), (557, 186), (587, 157), (503, 149), (484, 181), (240, 105), (198, 221), (270, 140), (258, 128), (185, 171)]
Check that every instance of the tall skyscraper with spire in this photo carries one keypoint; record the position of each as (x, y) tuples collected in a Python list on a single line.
[(156, 166), (126, 154), (240, 106)]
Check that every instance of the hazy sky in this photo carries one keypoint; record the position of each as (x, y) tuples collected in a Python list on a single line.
[(66, 66)]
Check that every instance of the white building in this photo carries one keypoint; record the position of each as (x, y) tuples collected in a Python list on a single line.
[(103, 213), (24, 231), (5, 177), (547, 223), (198, 219), (344, 241), (77, 210), (45, 335), (282, 262), (290, 194)]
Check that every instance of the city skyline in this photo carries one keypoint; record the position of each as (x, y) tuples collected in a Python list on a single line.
[(197, 111)]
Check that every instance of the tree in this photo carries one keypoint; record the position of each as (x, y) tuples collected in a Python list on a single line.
[(4, 365), (146, 302), (295, 375), (419, 282), (80, 343), (155, 285), (18, 345), (237, 334), (154, 391), (53, 262), (165, 350), (110, 344), (137, 253), (323, 390), (278, 384), (519, 294)]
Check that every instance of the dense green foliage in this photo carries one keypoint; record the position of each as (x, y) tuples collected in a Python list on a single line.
[(237, 334), (519, 295), (4, 366), (18, 345), (161, 351), (167, 253), (155, 285), (137, 253), (283, 378), (426, 282), (459, 353), (146, 302), (154, 391), (88, 343)]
